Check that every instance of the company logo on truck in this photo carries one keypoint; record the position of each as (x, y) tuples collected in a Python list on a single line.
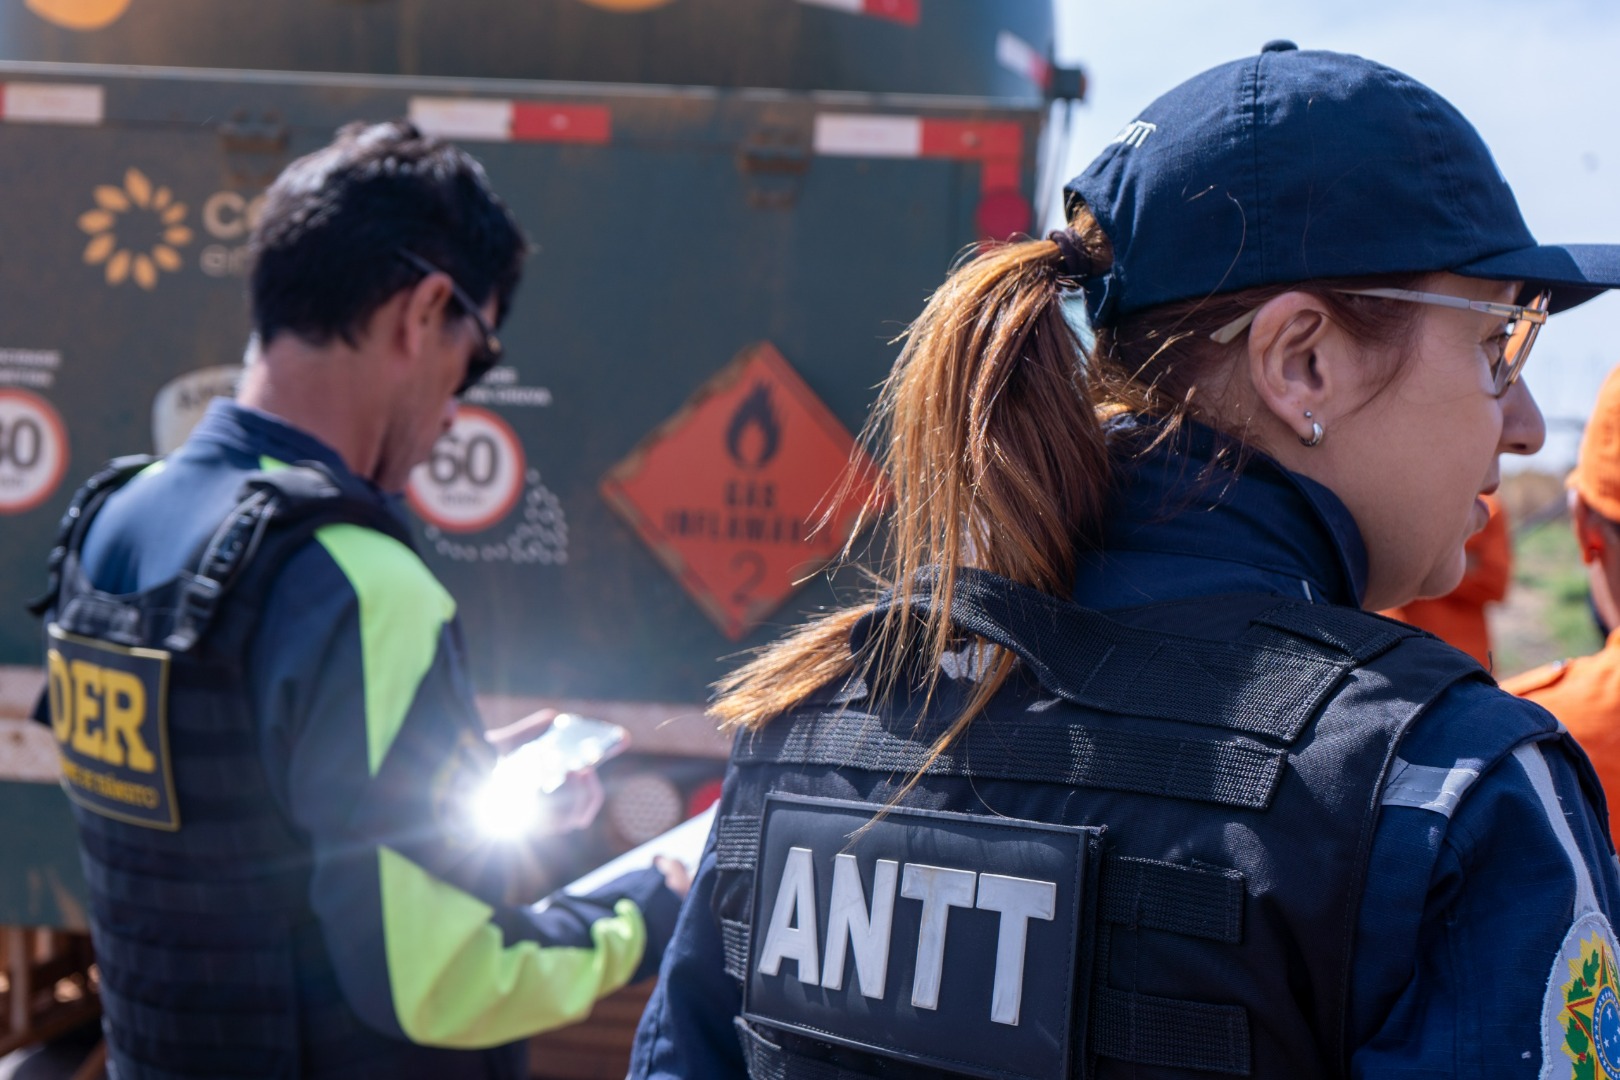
[(79, 14), (627, 5), (135, 231)]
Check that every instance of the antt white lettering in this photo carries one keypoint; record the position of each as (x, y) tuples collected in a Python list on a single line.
[(850, 922), (939, 889), (792, 935), (1019, 900)]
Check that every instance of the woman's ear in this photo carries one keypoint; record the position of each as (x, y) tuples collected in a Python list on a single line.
[(1298, 363)]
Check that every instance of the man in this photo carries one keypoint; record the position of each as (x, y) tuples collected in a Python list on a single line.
[(260, 689), (1458, 618), (1584, 693)]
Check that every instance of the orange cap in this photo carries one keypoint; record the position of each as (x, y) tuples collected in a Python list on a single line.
[(1597, 473)]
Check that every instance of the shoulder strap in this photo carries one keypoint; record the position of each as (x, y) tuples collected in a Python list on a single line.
[(1268, 683), (76, 519), (281, 509)]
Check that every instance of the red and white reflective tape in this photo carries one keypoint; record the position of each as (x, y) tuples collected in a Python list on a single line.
[(490, 120), (859, 135), (52, 103), (900, 11), (1019, 56)]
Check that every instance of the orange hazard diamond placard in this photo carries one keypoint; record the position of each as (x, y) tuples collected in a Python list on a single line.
[(729, 490)]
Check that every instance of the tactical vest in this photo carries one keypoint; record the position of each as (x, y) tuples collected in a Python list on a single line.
[(1144, 859), (212, 963)]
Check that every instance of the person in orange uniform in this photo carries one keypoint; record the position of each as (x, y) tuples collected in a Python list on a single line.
[(1584, 692), (1458, 618)]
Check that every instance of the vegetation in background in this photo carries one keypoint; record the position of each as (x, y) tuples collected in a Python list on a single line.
[(1546, 615)]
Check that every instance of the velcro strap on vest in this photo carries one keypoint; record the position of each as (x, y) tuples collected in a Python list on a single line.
[(112, 476), (734, 940), (1196, 901), (184, 898), (1270, 688), (231, 973), (768, 1061), (1357, 634), (736, 842), (1190, 900), (304, 496), (247, 1030), (1048, 750), (1173, 1034)]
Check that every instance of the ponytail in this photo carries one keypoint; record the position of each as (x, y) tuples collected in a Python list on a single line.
[(989, 438), (989, 432)]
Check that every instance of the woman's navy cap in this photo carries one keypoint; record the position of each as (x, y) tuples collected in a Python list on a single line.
[(1299, 164)]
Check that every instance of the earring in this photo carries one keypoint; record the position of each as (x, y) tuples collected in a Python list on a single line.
[(1316, 432)]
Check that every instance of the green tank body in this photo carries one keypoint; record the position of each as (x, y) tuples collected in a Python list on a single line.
[(737, 206)]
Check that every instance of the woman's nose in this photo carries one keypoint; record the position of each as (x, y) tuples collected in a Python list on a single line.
[(1524, 431)]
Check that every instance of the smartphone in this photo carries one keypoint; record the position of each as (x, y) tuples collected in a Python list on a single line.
[(570, 744)]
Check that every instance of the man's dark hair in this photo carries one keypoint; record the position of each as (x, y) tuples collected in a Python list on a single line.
[(326, 245)]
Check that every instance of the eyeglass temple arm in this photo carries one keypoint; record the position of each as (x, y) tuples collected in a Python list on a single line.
[(1487, 307), (1229, 333)]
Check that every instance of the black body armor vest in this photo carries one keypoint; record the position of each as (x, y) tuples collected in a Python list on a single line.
[(212, 963), (1144, 859)]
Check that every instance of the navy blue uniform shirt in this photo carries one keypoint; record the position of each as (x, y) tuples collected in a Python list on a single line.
[(367, 730), (1489, 891)]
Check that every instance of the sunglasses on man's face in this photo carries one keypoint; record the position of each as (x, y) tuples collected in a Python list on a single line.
[(488, 353)]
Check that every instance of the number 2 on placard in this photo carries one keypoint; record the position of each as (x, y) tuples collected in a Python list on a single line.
[(755, 575)]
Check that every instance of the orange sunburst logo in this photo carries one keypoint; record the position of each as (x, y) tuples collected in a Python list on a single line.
[(135, 231), (79, 14)]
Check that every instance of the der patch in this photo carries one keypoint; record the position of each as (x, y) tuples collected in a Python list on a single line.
[(109, 713)]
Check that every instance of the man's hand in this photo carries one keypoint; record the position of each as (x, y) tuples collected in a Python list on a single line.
[(676, 875), (574, 805), (513, 735)]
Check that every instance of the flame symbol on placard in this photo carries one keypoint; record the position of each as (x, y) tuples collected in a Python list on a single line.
[(754, 435)]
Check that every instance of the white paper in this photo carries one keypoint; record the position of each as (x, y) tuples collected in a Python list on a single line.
[(683, 843)]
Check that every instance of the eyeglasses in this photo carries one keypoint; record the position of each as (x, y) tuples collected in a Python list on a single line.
[(488, 353), (1524, 322)]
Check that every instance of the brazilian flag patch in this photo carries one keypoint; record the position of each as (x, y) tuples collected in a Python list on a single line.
[(1581, 1016)]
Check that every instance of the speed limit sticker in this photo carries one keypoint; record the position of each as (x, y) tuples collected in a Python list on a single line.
[(33, 451), (474, 477)]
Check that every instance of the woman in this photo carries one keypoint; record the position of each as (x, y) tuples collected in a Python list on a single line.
[(1119, 778)]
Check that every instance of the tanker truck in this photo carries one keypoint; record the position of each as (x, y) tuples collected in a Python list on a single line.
[(736, 206)]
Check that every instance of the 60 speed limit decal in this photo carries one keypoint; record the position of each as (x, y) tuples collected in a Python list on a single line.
[(33, 451), (476, 479), (474, 476)]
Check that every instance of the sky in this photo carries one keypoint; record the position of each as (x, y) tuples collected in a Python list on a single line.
[(1543, 89)]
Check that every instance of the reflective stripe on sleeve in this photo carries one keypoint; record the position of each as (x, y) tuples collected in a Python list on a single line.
[(455, 984), (1428, 787), (403, 611), (1535, 767)]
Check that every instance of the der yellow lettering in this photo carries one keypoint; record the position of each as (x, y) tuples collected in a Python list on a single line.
[(87, 710), (61, 694), (124, 699)]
